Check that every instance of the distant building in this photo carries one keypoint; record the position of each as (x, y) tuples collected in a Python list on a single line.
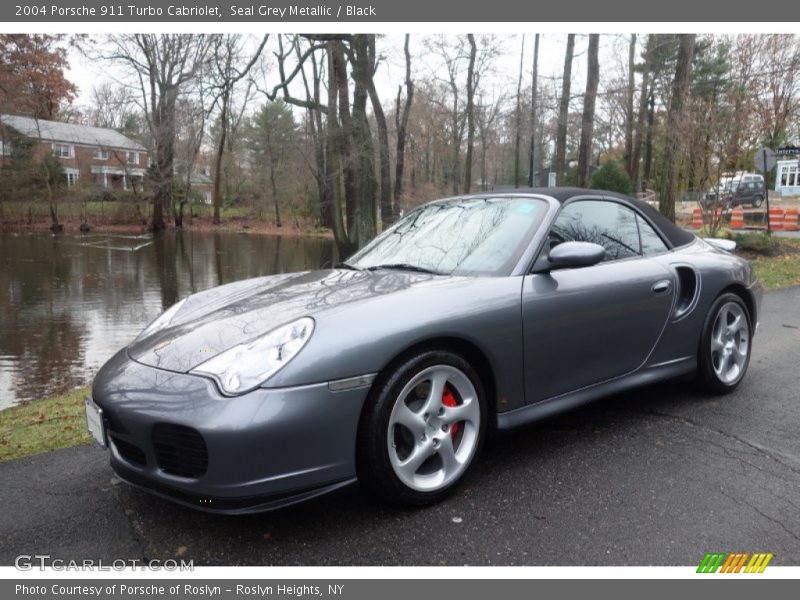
[(787, 171), (202, 183), (102, 156)]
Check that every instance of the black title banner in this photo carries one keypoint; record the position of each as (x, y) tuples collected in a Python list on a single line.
[(326, 11)]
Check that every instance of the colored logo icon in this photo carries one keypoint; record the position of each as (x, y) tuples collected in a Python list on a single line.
[(735, 562)]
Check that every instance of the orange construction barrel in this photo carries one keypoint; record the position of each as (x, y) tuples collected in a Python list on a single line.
[(790, 219), (737, 218), (776, 219), (697, 219)]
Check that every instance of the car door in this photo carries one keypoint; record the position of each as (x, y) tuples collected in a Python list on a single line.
[(747, 191), (586, 325)]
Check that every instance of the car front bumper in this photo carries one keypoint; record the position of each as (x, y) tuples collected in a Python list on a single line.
[(258, 451)]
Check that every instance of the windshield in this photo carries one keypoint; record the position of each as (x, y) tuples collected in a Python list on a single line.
[(480, 236)]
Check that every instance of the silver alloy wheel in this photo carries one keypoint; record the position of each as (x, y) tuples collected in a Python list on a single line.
[(730, 343), (431, 441)]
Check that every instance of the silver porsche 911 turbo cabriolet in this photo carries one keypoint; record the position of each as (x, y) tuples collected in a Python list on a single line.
[(486, 311)]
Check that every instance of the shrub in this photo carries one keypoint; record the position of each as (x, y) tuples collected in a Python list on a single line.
[(759, 243), (612, 177)]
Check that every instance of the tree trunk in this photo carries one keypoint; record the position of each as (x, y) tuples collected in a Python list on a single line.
[(534, 115), (518, 117), (223, 134), (648, 145), (345, 137), (334, 154), (642, 116), (680, 88), (563, 111), (274, 187), (365, 210), (587, 121), (385, 167), (165, 155), (629, 111), (473, 52), (401, 122)]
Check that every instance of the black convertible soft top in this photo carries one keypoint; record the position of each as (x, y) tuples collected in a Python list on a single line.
[(674, 234)]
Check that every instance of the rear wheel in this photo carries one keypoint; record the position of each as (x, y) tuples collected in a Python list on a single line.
[(423, 427), (725, 345), (757, 201)]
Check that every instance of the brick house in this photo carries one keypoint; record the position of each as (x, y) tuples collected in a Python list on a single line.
[(94, 154)]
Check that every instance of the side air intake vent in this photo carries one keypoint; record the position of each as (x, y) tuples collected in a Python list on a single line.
[(688, 286)]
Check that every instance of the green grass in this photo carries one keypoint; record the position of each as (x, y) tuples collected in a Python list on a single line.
[(777, 271), (775, 259), (43, 425)]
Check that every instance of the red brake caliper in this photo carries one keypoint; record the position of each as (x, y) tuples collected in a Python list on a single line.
[(448, 399)]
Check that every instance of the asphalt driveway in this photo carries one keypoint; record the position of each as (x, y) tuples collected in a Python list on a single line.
[(654, 477)]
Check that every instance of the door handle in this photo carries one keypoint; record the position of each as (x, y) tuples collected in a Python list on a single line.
[(662, 287)]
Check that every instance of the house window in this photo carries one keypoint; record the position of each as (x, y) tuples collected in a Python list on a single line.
[(64, 150), (5, 149), (100, 154), (133, 158), (73, 176)]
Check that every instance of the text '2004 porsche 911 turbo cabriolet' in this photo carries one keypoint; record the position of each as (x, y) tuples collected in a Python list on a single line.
[(474, 313)]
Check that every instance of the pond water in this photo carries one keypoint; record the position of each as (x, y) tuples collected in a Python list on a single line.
[(68, 302)]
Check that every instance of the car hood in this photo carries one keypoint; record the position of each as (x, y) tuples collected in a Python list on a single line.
[(215, 320)]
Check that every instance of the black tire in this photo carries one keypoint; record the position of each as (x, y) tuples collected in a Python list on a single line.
[(376, 474), (757, 202), (707, 377)]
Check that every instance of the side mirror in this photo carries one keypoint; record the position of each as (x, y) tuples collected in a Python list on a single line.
[(570, 255)]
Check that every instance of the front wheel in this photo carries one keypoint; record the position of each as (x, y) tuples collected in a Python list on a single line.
[(422, 428), (725, 345), (757, 201)]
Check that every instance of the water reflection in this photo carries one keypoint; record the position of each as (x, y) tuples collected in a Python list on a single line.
[(67, 303)]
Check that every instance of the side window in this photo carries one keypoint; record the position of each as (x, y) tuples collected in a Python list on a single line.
[(651, 242), (609, 224)]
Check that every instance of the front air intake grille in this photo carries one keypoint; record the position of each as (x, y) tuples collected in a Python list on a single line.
[(180, 450), (129, 452)]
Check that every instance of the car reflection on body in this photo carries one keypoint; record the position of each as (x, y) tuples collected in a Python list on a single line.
[(486, 311)]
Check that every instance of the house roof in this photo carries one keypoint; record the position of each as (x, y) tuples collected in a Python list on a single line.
[(55, 131)]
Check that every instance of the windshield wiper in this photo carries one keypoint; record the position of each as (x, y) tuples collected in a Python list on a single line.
[(344, 265), (404, 267)]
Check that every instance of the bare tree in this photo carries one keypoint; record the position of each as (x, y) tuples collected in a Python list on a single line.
[(227, 68), (629, 110), (112, 105), (534, 111), (385, 166), (162, 64), (680, 88), (641, 121), (401, 123), (587, 121), (470, 109), (779, 86), (518, 116), (563, 110)]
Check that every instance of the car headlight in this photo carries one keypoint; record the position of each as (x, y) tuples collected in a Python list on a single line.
[(246, 366), (162, 321)]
